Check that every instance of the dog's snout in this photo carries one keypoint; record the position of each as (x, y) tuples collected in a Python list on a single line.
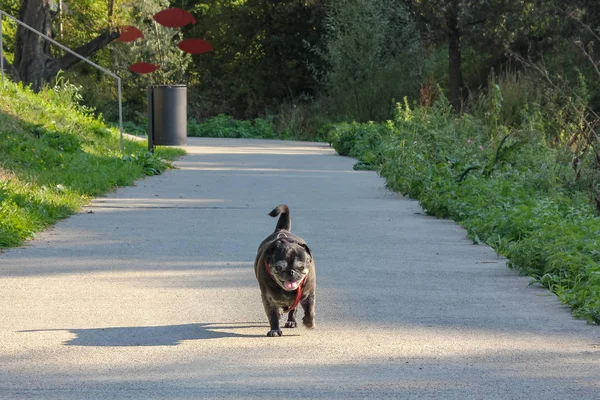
[(295, 275)]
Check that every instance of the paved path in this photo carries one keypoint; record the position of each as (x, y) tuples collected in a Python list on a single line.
[(150, 293)]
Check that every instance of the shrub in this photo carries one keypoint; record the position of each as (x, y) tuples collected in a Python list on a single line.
[(225, 126)]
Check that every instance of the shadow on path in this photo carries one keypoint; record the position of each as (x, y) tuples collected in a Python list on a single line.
[(169, 335)]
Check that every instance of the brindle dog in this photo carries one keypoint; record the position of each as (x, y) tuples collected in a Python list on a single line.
[(285, 270)]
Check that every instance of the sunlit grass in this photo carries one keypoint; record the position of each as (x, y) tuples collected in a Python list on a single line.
[(55, 156)]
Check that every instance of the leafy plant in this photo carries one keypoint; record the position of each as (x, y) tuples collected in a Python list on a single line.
[(151, 164), (225, 126), (372, 54)]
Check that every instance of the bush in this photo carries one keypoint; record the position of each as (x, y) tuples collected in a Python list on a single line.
[(224, 126)]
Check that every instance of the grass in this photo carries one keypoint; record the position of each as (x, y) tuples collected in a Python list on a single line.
[(507, 186), (56, 156)]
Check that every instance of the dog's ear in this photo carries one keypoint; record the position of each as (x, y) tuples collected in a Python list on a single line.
[(305, 246), (271, 249)]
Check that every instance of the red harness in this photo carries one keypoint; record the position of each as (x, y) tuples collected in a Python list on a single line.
[(298, 295)]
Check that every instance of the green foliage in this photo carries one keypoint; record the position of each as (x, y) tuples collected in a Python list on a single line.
[(150, 164), (510, 191), (351, 58), (56, 156), (285, 126), (61, 141), (81, 20), (159, 46), (9, 27), (506, 97), (224, 126), (364, 141), (299, 121), (372, 54), (261, 57)]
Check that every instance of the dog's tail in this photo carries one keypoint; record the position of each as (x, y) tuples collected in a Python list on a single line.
[(285, 221)]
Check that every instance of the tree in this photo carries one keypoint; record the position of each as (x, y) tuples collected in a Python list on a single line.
[(373, 56), (489, 26), (34, 62), (440, 18), (262, 55)]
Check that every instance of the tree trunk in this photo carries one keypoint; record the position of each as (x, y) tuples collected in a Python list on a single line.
[(32, 52), (111, 12), (33, 63), (454, 61)]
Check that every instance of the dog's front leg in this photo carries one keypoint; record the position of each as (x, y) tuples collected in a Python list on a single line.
[(291, 322), (273, 314), (309, 311)]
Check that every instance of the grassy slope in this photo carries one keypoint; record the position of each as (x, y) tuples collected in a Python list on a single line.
[(55, 156)]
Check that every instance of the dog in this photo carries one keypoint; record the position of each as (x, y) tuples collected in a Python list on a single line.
[(285, 270)]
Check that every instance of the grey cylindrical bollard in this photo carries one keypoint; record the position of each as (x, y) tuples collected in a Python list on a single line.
[(168, 116)]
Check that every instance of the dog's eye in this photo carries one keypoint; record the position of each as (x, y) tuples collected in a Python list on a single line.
[(278, 268)]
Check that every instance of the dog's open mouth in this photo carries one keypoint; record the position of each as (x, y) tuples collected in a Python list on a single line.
[(291, 285)]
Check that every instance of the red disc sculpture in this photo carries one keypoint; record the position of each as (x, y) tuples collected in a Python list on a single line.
[(143, 68), (195, 46), (129, 34), (174, 18), (171, 18)]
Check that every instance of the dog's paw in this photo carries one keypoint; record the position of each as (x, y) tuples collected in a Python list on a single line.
[(309, 323), (274, 332), (290, 324)]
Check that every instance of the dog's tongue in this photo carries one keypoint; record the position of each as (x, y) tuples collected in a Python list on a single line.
[(290, 285)]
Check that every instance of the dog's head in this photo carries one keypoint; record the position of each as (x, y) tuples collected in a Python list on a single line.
[(289, 262)]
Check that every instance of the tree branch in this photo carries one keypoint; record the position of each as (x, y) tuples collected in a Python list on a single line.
[(68, 60), (474, 23), (587, 55), (572, 16)]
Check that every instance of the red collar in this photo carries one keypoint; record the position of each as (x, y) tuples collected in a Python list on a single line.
[(298, 294)]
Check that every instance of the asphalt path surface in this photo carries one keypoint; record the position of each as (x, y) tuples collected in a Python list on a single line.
[(149, 293)]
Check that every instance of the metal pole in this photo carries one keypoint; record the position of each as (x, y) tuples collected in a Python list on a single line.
[(120, 117), (1, 52), (150, 119)]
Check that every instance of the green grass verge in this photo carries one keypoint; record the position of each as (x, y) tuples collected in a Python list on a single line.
[(508, 188), (286, 126), (224, 126), (55, 156)]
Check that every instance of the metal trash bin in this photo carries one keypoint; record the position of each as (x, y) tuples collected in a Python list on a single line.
[(167, 115)]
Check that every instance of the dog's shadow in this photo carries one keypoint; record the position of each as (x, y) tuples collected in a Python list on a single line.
[(169, 335)]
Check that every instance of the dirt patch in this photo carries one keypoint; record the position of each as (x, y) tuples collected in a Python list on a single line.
[(6, 175)]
